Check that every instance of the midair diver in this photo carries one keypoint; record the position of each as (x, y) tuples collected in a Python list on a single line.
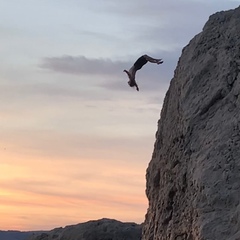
[(138, 65)]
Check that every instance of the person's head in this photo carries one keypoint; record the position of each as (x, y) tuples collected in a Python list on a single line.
[(131, 83)]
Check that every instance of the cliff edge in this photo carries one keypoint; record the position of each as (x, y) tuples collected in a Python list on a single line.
[(193, 179)]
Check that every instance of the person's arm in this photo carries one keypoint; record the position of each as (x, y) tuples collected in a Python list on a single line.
[(129, 75), (136, 86)]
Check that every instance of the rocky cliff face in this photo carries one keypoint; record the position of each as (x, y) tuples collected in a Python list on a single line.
[(193, 179), (103, 229)]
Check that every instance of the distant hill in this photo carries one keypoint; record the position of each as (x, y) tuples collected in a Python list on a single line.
[(103, 229), (15, 235)]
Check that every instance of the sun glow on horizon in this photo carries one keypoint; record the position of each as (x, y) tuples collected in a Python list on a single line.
[(44, 194)]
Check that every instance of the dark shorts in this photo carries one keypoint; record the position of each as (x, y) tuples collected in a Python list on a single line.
[(140, 62)]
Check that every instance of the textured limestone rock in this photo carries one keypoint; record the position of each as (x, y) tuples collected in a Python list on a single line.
[(193, 179), (104, 229)]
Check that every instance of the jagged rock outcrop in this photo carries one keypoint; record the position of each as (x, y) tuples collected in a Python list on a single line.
[(193, 179), (103, 229)]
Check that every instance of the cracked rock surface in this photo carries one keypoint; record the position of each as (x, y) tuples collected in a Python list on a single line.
[(193, 179)]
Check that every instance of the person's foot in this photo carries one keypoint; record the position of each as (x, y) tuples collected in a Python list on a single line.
[(160, 61)]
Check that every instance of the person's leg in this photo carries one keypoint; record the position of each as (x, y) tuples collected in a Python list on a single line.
[(153, 60)]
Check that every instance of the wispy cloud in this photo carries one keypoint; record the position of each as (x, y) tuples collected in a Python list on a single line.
[(83, 65)]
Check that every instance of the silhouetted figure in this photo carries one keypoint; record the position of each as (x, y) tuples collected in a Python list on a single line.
[(138, 65)]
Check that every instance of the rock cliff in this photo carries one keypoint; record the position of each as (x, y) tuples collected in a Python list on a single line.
[(103, 229), (193, 179)]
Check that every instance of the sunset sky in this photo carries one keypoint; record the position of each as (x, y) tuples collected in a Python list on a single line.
[(75, 139)]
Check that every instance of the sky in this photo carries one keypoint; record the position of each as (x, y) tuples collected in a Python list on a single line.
[(75, 139)]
